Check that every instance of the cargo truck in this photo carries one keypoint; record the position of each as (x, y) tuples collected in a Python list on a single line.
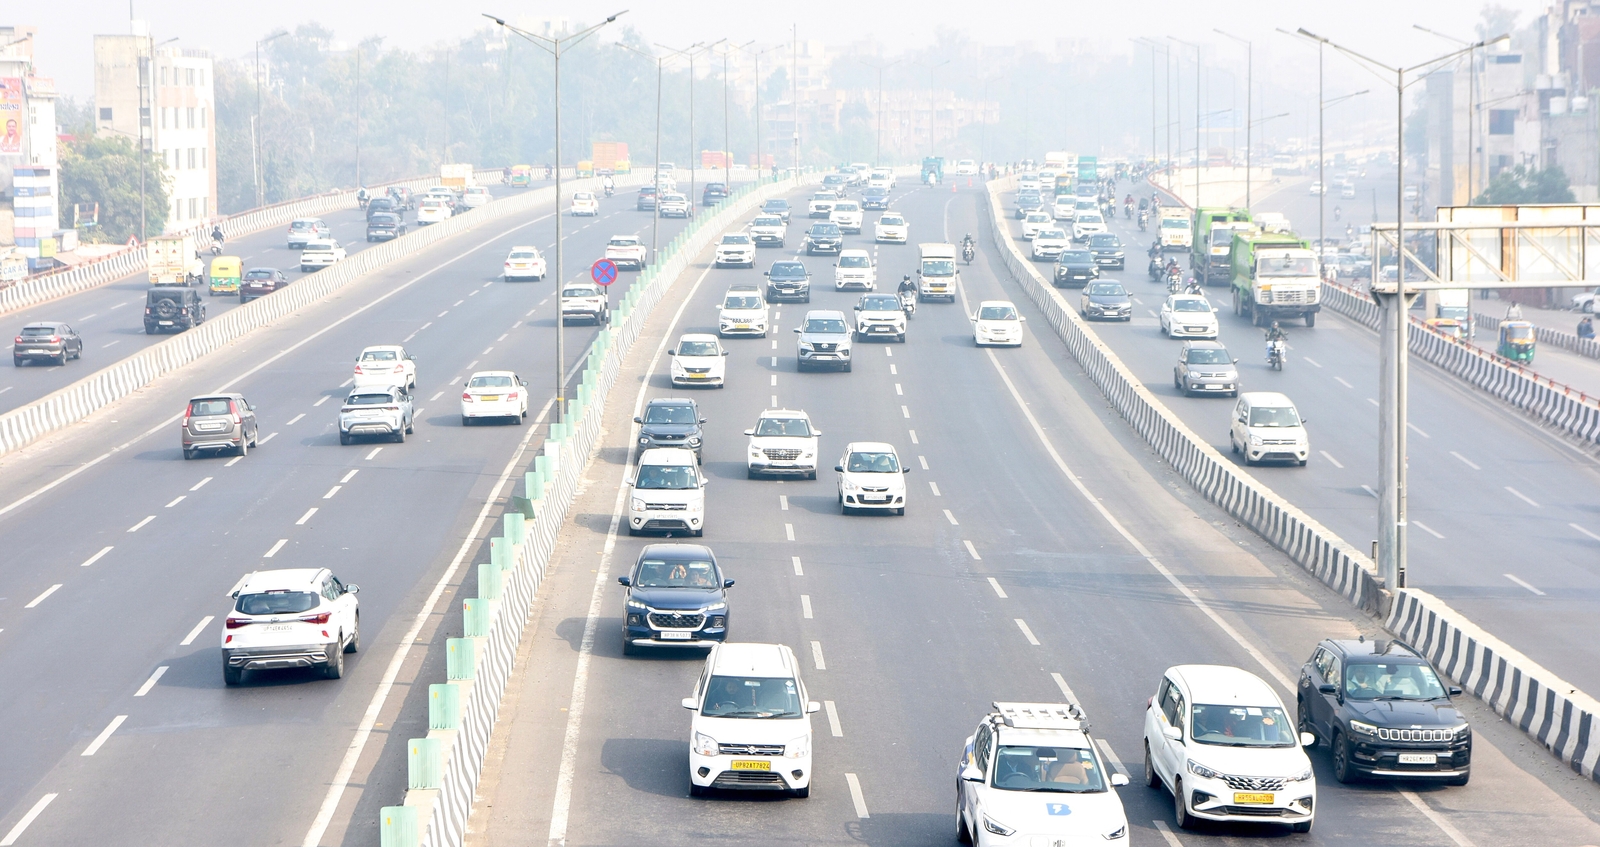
[(1211, 240), (175, 260), (456, 177), (1275, 276), (611, 156), (1174, 229), (938, 276)]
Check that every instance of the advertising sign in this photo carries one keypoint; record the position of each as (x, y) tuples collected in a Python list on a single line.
[(11, 116)]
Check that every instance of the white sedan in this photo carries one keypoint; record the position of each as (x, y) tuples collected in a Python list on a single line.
[(1035, 221), (475, 196), (524, 263), (494, 394), (584, 203), (996, 323), (320, 254), (892, 229), (698, 360), (1188, 316)]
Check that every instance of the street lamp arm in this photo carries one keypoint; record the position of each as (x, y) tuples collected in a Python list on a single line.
[(1345, 97), (551, 44)]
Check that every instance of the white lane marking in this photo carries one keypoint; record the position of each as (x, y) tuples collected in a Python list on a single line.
[(935, 486), (1066, 691), (270, 436), (924, 461), (200, 484), (195, 633), (1150, 312), (502, 337), (125, 303), (430, 323), (1425, 528), (951, 518), (233, 461), (33, 813), (798, 571), (788, 531), (322, 400), (904, 412), (40, 599), (898, 391), (888, 352), (1584, 531), (332, 491), (175, 501), (774, 361), (1369, 490), (913, 436), (349, 476), (774, 379), (1026, 632), (856, 797), (296, 419), (1523, 497), (436, 396), (1438, 820), (774, 403), (487, 351), (374, 452), (408, 338), (110, 343), (1331, 459), (1372, 401), (774, 346), (347, 383), (94, 746), (816, 656), (893, 371), (96, 557), (995, 584), (275, 548), (833, 718), (1166, 834), (1413, 427), (443, 313), (306, 517), (1466, 461), (783, 502), (972, 550), (805, 606), (151, 682), (1519, 581), (472, 364), (1312, 362), (1341, 381), (7, 388), (136, 527)]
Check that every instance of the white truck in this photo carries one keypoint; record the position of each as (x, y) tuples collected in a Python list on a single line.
[(175, 260), (1175, 229), (937, 276), (457, 177)]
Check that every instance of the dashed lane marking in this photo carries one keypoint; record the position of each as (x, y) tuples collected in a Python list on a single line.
[(321, 401), (1369, 490), (1341, 380), (1425, 528), (296, 419), (1026, 632), (998, 591), (798, 571), (856, 796), (1518, 580), (973, 551), (924, 461), (374, 453), (195, 633), (913, 436), (1523, 497), (96, 557), (1331, 459), (306, 517), (905, 412), (805, 606), (41, 598), (788, 531), (94, 746), (783, 502), (151, 682), (1584, 531), (275, 548), (935, 486), (136, 527), (233, 461), (816, 656), (175, 501), (349, 476), (951, 518), (1465, 461), (833, 718), (332, 491), (27, 820)]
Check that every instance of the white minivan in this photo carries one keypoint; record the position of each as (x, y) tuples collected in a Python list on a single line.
[(751, 728), (1268, 428), (669, 493)]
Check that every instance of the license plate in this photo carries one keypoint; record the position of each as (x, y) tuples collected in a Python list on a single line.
[(741, 326), (165, 323), (1252, 799), (283, 627), (674, 636), (488, 397), (750, 765), (697, 376), (1419, 758)]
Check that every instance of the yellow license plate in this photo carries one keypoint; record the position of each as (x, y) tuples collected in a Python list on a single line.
[(698, 376), (747, 765), (1243, 799), (488, 397)]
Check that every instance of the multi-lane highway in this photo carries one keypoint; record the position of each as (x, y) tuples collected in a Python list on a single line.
[(119, 556), (1045, 554)]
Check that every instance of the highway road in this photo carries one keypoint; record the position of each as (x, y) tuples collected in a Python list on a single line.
[(110, 317), (1504, 525), (1044, 551), (120, 554)]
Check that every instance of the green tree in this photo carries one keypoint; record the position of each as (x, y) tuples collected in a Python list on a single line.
[(105, 170), (1520, 185)]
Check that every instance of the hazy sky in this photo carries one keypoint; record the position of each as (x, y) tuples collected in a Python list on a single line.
[(1381, 28)]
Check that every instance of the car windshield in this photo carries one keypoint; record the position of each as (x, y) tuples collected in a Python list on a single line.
[(1069, 770), (216, 406), (277, 602), (1046, 234), (676, 573), (1274, 416), (1191, 304), (1392, 681), (676, 477), (624, 241), (833, 179), (579, 291), (1075, 256), (1220, 237), (742, 301), (490, 382), (1104, 241), (892, 220), (1286, 266), (784, 428), (775, 205), (827, 196), (1208, 357), (524, 254), (880, 303), (1091, 218), (302, 226), (997, 313), (854, 262), (670, 415), (1243, 726), (379, 356), (938, 267), (368, 399), (825, 229), (1174, 223), (843, 206), (1107, 289), (697, 348), (788, 269), (1037, 217), (382, 220), (872, 463), (771, 220), (258, 273), (583, 195), (751, 697), (825, 326), (735, 239)]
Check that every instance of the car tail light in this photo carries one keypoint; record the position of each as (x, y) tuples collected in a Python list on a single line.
[(511, 396), (358, 370), (467, 396), (18, 339), (399, 369), (390, 408), (55, 339), (233, 409), (508, 264), (235, 623), (187, 412), (322, 618)]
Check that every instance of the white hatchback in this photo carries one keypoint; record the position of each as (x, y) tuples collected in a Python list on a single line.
[(386, 364), (891, 229), (1188, 316), (871, 478), (751, 728), (855, 270), (494, 394), (584, 203), (743, 312), (292, 618), (698, 360), (997, 323)]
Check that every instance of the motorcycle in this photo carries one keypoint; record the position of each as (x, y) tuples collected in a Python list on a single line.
[(216, 247), (1144, 221), (1174, 282), (1275, 354), (361, 203), (610, 191), (908, 303), (968, 252), (1127, 211)]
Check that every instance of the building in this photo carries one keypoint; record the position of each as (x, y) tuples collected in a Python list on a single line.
[(28, 156), (164, 97)]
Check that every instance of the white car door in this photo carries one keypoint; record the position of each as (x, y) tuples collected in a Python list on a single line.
[(1166, 315)]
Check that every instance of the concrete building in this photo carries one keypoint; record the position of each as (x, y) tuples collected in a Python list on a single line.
[(163, 95), (28, 155)]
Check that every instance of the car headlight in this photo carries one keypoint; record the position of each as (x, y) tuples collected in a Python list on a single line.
[(798, 748), (638, 505), (697, 505), (850, 486), (1303, 776), (714, 607), (644, 439), (1462, 731), (635, 605), (813, 456), (1363, 728), (805, 345), (1119, 832), (756, 451), (1202, 771), (1255, 441), (704, 744), (996, 827), (694, 441)]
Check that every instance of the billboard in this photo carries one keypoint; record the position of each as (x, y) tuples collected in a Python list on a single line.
[(11, 116)]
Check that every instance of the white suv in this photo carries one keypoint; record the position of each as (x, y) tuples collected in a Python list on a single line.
[(736, 250), (669, 493), (871, 477), (782, 442), (847, 214), (880, 316), (1221, 741), (386, 364), (295, 618), (744, 312), (627, 251), (585, 301), (854, 270), (1087, 224), (1030, 774), (751, 727)]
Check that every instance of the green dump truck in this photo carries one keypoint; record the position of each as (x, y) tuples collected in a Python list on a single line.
[(1212, 241), (1275, 276)]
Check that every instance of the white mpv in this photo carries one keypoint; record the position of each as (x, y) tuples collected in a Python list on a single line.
[(751, 728)]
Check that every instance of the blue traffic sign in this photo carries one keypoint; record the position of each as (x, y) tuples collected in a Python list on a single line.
[(603, 271)]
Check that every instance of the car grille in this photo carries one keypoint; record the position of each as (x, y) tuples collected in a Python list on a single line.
[(1298, 296), (824, 347), (781, 454), (666, 620), (750, 749), (666, 507), (749, 779), (1257, 811), (666, 438), (697, 370), (1416, 734), (1254, 783), (1278, 442)]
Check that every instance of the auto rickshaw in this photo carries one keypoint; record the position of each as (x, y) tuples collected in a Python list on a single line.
[(1447, 326), (1516, 341), (521, 176), (225, 273)]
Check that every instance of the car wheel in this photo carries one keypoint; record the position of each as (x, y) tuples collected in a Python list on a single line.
[(801, 793), (1311, 319), (344, 438), (334, 669), (16, 362), (400, 437), (354, 643), (697, 790), (187, 453), (79, 354), (1180, 809), (232, 675), (62, 359), (1303, 720), (1232, 445), (244, 445), (900, 511), (847, 367), (1151, 778), (1342, 769)]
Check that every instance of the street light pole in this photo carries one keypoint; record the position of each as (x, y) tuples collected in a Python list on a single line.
[(556, 47), (655, 220), (1472, 96), (727, 144), (1197, 75), (261, 170), (933, 84), (877, 155), (1249, 93), (692, 164)]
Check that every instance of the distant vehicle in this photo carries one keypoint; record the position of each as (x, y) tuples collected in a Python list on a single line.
[(295, 618), (880, 316), (524, 263), (824, 238), (1105, 301), (676, 597), (225, 422), (891, 229), (320, 254), (966, 167), (585, 203), (432, 210), (259, 282), (1318, 188), (46, 341), (386, 364), (626, 251), (172, 309), (673, 205), (874, 197), (743, 312), (382, 206), (1076, 267), (752, 693), (671, 422), (1188, 316), (1107, 251), (788, 280), (847, 214), (402, 198), (777, 206), (821, 204), (1048, 243), (647, 198), (302, 230), (871, 478), (1268, 428), (475, 196), (736, 249), (385, 226), (714, 193), (385, 410), (699, 359), (824, 341), (997, 323), (768, 231), (498, 395), (1205, 367), (854, 270), (584, 301)]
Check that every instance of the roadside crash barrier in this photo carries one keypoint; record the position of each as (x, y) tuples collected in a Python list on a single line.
[(444, 767), (1311, 545), (55, 411)]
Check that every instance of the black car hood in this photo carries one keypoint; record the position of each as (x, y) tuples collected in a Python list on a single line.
[(1109, 299), (1078, 266), (668, 429), (676, 598), (1405, 713)]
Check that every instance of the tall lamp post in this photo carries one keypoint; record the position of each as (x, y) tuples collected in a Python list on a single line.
[(877, 154), (655, 220), (1472, 98), (691, 53), (557, 47), (261, 163), (727, 144), (933, 110), (755, 56), (1392, 507), (1198, 164), (1249, 95), (147, 82)]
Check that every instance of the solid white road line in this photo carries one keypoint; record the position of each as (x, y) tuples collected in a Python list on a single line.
[(1523, 497), (805, 606), (1166, 833), (332, 491), (176, 501), (1425, 528), (94, 746), (151, 682), (935, 486), (1466, 461), (195, 633), (951, 518), (1027, 633), (22, 825), (349, 476), (972, 550), (374, 452), (202, 482), (1584, 531), (1521, 582), (295, 419), (136, 527), (798, 571), (783, 502), (913, 436), (995, 584), (96, 557), (275, 548), (1331, 459), (306, 517), (788, 531), (40, 599), (833, 718), (816, 656), (856, 797)]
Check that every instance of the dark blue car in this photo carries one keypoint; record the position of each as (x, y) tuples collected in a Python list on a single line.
[(677, 597)]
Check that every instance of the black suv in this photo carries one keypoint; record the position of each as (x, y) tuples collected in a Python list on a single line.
[(1107, 250), (382, 206), (788, 280), (677, 596), (171, 308), (48, 340), (1076, 267), (670, 422), (824, 238), (384, 226), (714, 193), (1383, 712), (647, 198)]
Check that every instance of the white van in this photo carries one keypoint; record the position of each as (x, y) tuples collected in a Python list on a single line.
[(752, 722), (669, 493), (937, 276), (1268, 428)]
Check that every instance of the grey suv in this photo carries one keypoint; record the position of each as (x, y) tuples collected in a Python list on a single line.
[(671, 422), (172, 309), (377, 410), (1204, 367), (223, 422), (824, 341)]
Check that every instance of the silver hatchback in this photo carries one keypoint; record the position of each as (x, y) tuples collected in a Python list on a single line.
[(219, 422), (1204, 367)]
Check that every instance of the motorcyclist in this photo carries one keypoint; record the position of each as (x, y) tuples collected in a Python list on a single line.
[(907, 286), (1191, 286), (1275, 334), (608, 185), (1144, 219), (1336, 212), (361, 197), (216, 234), (1172, 267)]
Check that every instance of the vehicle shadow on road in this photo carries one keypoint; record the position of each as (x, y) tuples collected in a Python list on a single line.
[(652, 765), (894, 829)]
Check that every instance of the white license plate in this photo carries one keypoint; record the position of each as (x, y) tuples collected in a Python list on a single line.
[(282, 627), (164, 323), (673, 636), (1419, 758)]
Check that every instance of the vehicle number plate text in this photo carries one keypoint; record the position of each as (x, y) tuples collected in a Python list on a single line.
[(1419, 758), (674, 636), (1252, 799), (749, 765)]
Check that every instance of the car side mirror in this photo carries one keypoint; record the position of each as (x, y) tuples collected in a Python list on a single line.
[(727, 583), (637, 419), (672, 352), (1119, 779), (1172, 733), (905, 470), (724, 352), (812, 707), (816, 433), (1455, 691), (702, 420), (1236, 361), (1213, 308), (749, 432), (839, 468), (688, 702), (766, 273), (858, 308), (1327, 688), (1307, 739), (625, 580), (352, 588), (970, 773), (797, 330), (1022, 318)]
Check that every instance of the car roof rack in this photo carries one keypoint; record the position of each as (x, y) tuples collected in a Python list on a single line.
[(1041, 715)]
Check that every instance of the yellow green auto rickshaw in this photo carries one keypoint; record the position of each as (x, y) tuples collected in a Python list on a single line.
[(225, 273), (521, 175), (1516, 341)]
